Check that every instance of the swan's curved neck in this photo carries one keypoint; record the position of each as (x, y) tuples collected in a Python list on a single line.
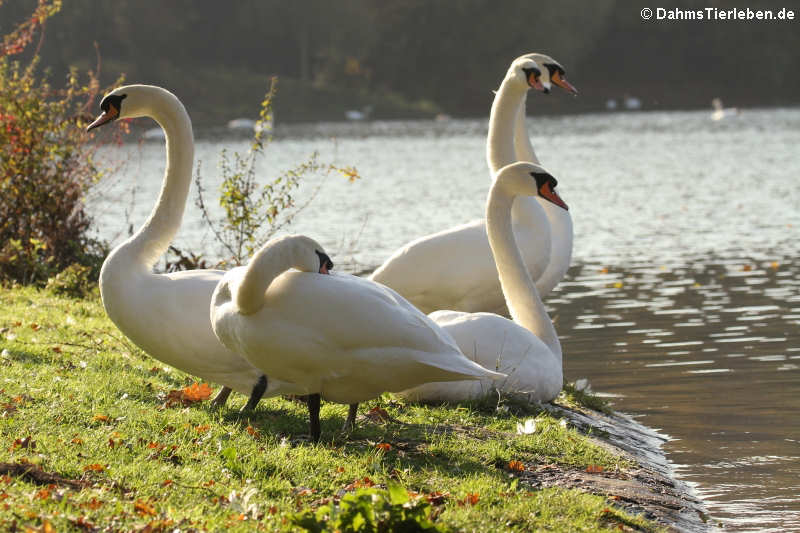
[(520, 292), (148, 244), (522, 141), (500, 141), (268, 263)]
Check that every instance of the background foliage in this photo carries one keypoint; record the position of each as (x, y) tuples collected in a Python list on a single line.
[(412, 57), (46, 163)]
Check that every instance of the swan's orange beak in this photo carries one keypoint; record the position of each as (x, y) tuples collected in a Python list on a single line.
[(533, 81), (323, 269), (547, 192), (104, 118), (563, 83)]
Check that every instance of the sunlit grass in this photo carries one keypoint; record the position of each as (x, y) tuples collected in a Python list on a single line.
[(80, 401)]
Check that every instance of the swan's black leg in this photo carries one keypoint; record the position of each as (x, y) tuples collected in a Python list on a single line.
[(258, 391), (313, 416), (350, 423), (222, 397)]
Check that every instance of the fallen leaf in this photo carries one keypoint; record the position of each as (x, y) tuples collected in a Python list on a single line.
[(77, 441), (516, 466), (239, 517), (209, 483), (527, 428), (93, 504), (437, 498), (197, 392), (35, 327), (95, 467), (378, 414), (594, 469), (202, 429), (43, 494), (470, 499), (143, 508), (747, 268), (57, 349), (384, 446), (253, 432), (100, 418), (166, 483)]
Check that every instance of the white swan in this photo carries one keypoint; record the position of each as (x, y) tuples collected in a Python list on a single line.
[(559, 219), (167, 315), (431, 271), (527, 348), (338, 336)]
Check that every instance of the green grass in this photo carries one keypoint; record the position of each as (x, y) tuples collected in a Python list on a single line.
[(80, 401)]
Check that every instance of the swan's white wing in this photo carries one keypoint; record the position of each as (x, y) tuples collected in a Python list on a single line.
[(344, 336), (498, 344)]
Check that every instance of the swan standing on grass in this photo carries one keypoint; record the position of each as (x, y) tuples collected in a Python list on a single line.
[(431, 271), (166, 315), (337, 336), (527, 348)]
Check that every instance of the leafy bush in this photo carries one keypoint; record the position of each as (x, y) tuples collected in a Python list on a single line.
[(74, 281), (371, 510), (253, 213), (46, 163)]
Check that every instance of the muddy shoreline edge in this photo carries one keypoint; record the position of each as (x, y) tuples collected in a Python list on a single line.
[(650, 488)]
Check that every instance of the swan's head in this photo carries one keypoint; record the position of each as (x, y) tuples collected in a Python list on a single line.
[(552, 73), (308, 255), (526, 72), (529, 179), (130, 101)]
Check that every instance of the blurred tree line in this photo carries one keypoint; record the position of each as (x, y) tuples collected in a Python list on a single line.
[(410, 58)]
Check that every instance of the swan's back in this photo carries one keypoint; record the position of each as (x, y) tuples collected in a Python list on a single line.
[(346, 337)]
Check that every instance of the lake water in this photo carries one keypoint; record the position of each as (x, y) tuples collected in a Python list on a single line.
[(683, 304)]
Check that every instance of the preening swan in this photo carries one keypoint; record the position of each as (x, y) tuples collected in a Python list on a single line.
[(431, 271), (338, 336), (167, 315), (527, 348)]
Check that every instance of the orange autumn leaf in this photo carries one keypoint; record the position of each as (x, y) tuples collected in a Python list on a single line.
[(209, 483), (253, 432), (516, 466), (340, 469), (42, 495), (93, 504), (202, 429), (472, 498), (197, 392), (238, 516), (594, 469), (77, 441), (100, 418), (35, 327), (166, 483), (143, 508), (95, 467), (385, 446)]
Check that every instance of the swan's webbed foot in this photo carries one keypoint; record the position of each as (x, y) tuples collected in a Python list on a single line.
[(255, 396), (350, 423), (221, 397), (313, 416)]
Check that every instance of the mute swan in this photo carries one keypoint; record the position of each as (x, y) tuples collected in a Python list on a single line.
[(167, 315), (527, 348), (431, 271), (560, 220), (338, 336)]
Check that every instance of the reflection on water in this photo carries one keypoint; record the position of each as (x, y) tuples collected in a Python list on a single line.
[(710, 354), (684, 303)]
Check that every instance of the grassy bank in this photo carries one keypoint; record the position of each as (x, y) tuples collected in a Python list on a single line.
[(80, 404)]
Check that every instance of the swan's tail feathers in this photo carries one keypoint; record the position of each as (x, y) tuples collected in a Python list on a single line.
[(463, 368)]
